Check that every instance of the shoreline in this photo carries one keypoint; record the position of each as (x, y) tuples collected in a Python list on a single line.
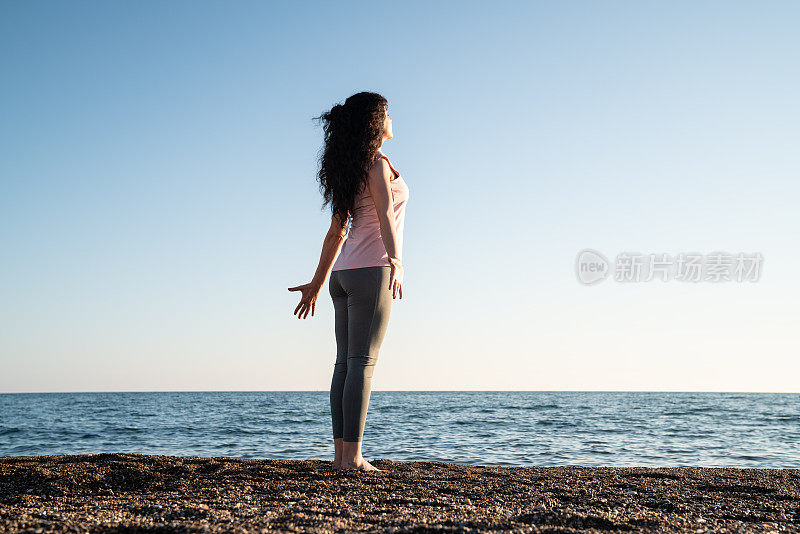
[(124, 491)]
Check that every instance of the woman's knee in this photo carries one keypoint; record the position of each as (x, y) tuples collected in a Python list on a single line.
[(362, 363)]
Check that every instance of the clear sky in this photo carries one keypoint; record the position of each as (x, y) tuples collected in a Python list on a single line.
[(158, 192)]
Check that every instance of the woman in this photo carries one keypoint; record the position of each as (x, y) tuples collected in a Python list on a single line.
[(365, 267)]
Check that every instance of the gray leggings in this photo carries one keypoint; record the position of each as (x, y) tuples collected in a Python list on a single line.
[(362, 302)]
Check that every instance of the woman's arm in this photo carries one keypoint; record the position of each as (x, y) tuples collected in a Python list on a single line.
[(330, 249), (380, 188)]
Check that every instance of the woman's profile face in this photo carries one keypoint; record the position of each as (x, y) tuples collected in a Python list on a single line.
[(387, 126)]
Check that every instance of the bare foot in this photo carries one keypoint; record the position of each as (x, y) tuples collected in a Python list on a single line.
[(337, 465), (360, 465)]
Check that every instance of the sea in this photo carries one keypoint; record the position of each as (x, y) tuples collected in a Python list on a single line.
[(493, 428)]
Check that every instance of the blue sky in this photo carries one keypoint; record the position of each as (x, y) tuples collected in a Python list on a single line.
[(158, 193)]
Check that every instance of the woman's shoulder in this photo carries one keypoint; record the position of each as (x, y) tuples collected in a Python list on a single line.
[(381, 156), (378, 156), (376, 160)]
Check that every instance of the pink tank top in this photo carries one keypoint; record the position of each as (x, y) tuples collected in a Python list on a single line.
[(363, 246)]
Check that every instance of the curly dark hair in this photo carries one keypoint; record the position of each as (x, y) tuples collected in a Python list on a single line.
[(353, 133)]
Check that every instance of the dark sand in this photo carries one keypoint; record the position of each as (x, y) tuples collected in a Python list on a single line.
[(132, 492)]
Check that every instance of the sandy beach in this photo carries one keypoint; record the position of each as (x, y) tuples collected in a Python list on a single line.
[(128, 492)]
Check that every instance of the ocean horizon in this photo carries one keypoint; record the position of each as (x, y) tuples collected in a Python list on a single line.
[(495, 428)]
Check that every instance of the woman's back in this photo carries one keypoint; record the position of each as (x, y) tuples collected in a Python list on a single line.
[(363, 245)]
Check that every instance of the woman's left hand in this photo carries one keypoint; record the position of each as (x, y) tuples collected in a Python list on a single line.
[(396, 277), (308, 301)]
